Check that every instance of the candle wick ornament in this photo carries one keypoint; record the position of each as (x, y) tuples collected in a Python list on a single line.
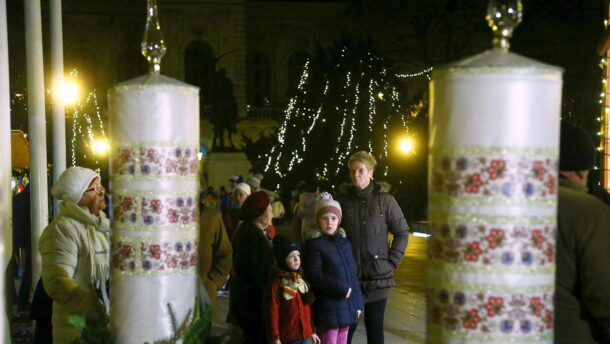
[(153, 44), (503, 16)]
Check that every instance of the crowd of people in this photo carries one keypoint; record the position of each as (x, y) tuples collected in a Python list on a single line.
[(347, 271), (337, 266), (273, 298)]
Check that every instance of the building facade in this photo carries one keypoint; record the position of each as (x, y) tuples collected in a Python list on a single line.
[(261, 46)]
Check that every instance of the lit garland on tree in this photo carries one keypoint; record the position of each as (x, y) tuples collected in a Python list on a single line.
[(346, 101), (604, 119), (88, 140), (88, 135)]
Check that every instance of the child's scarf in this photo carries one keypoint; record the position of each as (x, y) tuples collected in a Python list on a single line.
[(291, 284)]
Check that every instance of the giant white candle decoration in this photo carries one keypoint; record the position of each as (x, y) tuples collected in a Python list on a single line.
[(494, 138), (154, 135)]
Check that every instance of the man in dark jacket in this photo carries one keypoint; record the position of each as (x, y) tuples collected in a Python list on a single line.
[(215, 254), (368, 216), (582, 299), (576, 157)]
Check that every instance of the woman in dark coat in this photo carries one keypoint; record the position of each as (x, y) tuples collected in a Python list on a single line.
[(369, 215), (252, 260)]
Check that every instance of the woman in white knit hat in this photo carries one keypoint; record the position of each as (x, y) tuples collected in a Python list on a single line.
[(230, 216), (75, 253)]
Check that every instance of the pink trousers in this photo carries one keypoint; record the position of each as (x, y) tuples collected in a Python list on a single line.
[(334, 335)]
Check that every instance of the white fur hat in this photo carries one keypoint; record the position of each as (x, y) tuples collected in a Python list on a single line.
[(243, 187), (326, 204), (254, 181), (72, 183)]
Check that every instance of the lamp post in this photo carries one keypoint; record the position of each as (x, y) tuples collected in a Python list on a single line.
[(38, 136), (58, 109), (5, 165)]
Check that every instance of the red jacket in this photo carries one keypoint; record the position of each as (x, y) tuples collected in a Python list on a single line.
[(286, 320)]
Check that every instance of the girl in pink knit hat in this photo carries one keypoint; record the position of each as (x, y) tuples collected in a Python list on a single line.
[(331, 269)]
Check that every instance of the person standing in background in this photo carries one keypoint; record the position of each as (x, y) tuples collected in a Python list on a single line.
[(215, 254), (252, 260), (331, 269), (582, 277), (368, 217), (230, 216), (288, 298)]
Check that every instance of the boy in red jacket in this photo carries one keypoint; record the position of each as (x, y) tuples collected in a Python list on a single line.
[(287, 301)]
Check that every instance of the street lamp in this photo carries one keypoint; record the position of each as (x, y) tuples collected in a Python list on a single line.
[(69, 92), (100, 147), (406, 145)]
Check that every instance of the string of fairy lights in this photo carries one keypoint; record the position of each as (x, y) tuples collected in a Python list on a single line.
[(604, 120), (86, 131), (425, 72), (299, 114)]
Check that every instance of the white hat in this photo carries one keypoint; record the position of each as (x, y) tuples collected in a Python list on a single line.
[(254, 182), (326, 204), (243, 187), (72, 184)]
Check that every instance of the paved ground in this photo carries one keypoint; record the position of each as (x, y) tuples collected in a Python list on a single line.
[(405, 311), (405, 317)]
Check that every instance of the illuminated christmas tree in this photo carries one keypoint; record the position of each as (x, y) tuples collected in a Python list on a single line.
[(348, 99)]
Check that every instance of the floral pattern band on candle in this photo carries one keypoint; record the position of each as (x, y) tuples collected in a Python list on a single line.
[(480, 315), (148, 211), (149, 256), (153, 160), (506, 178)]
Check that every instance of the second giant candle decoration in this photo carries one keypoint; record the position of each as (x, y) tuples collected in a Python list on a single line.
[(494, 138)]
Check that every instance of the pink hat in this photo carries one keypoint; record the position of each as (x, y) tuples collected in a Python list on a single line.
[(326, 204)]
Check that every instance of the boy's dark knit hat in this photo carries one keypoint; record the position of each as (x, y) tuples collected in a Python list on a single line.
[(254, 206), (282, 246), (576, 151)]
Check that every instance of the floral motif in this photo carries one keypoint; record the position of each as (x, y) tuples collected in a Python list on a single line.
[(495, 238), (149, 159), (158, 210), (496, 169), (538, 238), (471, 319), (179, 255), (124, 209), (472, 252), (156, 161), (473, 183), (536, 306), (123, 256), (504, 245), (538, 170), (494, 306), (177, 161), (478, 312), (166, 210), (123, 162), (154, 256), (509, 177)]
